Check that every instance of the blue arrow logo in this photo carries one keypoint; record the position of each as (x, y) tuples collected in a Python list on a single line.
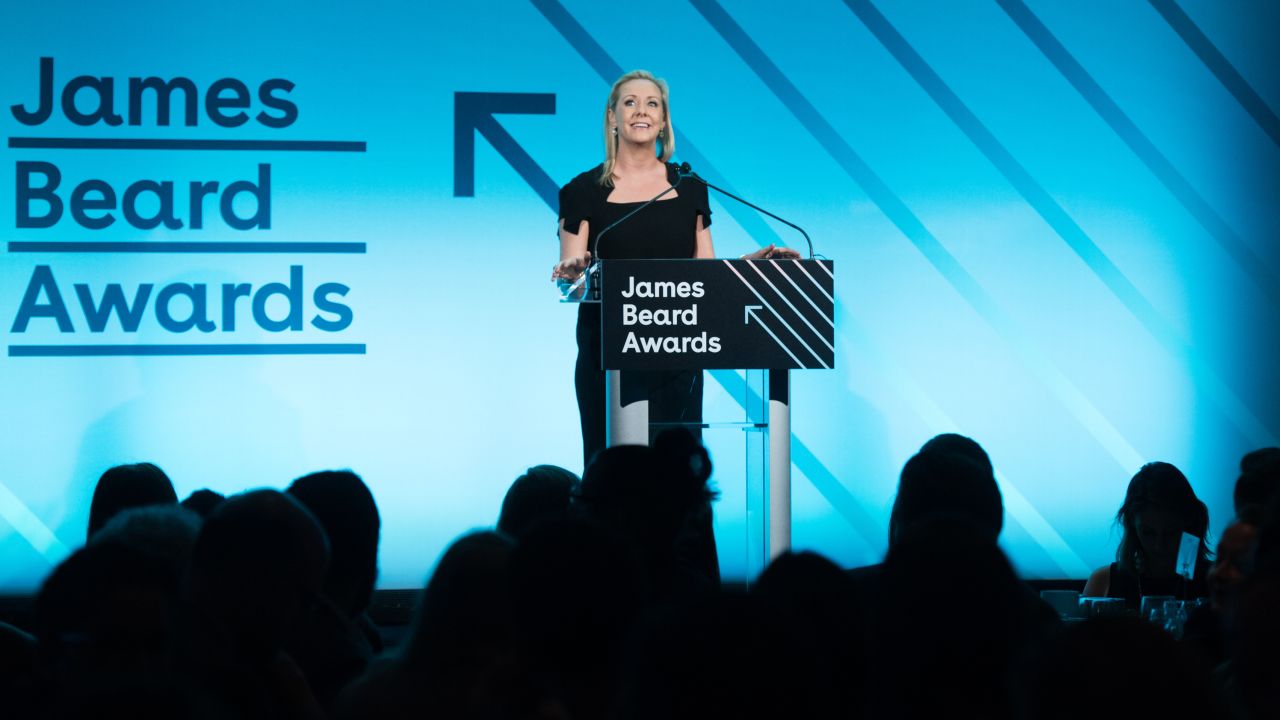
[(473, 113)]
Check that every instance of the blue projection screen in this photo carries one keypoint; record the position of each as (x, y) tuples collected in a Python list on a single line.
[(246, 241)]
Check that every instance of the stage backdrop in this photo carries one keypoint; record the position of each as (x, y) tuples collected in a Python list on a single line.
[(1054, 226)]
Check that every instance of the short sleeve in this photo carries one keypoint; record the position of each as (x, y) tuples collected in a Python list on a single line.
[(575, 204), (702, 204)]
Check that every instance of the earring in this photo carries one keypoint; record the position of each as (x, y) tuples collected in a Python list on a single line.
[(615, 130), (662, 134)]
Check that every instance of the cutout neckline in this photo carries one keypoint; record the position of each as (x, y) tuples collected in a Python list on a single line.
[(672, 196)]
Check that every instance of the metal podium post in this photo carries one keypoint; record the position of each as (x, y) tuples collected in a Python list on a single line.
[(624, 424), (778, 490)]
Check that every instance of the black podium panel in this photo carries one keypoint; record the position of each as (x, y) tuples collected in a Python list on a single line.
[(731, 314)]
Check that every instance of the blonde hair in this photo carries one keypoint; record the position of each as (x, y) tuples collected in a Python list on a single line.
[(667, 139)]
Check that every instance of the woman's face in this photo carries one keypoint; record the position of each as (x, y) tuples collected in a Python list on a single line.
[(638, 114), (1159, 533)]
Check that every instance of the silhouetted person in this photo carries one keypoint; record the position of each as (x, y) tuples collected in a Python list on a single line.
[(1258, 483), (687, 459), (335, 639), (1250, 679), (819, 625), (17, 670), (203, 501), (126, 486), (654, 499), (577, 591), (258, 565), (542, 494), (951, 622), (1159, 506), (459, 660), (106, 618), (951, 474), (166, 532)]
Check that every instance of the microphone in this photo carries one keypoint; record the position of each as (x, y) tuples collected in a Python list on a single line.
[(686, 170), (595, 257)]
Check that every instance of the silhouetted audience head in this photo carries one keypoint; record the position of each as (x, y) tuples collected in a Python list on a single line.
[(1258, 483), (951, 474), (343, 504), (649, 496), (819, 622), (959, 445), (167, 532), (1158, 507), (542, 494), (126, 486), (105, 619), (464, 625), (459, 660), (203, 501), (623, 476), (600, 597), (258, 563)]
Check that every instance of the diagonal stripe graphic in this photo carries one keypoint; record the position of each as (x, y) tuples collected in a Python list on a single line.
[(785, 324), (799, 314), (922, 404), (609, 70), (909, 225), (1265, 278), (1221, 68), (776, 339), (815, 282), (936, 419), (830, 320), (1057, 218), (30, 527)]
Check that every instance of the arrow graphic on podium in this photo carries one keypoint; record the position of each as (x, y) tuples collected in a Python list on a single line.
[(749, 312), (473, 112)]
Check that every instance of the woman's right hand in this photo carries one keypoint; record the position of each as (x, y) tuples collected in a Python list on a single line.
[(570, 268)]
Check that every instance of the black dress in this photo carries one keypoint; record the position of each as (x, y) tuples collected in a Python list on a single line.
[(665, 229), (1125, 584)]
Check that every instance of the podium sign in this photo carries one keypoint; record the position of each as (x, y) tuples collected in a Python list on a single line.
[(718, 314)]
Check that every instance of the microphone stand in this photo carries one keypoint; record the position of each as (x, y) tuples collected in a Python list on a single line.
[(685, 169)]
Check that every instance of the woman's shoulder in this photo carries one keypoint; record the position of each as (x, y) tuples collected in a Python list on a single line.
[(586, 180), (1099, 582)]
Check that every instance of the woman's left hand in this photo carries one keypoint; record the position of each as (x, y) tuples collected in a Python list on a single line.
[(772, 251)]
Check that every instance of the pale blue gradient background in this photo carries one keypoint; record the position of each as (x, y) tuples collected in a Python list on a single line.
[(467, 380)]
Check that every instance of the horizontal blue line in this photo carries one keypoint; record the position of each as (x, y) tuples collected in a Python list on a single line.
[(51, 143), (170, 350), (22, 246)]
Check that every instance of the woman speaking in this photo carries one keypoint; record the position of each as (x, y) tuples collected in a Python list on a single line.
[(638, 143)]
